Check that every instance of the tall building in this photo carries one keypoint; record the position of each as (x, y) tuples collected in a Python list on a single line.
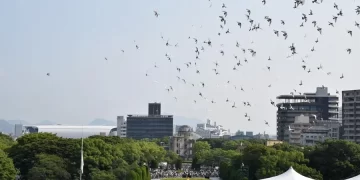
[(18, 130), (154, 109), (121, 126), (318, 105), (351, 115), (153, 125)]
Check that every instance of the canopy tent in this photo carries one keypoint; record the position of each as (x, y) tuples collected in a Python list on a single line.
[(290, 174), (354, 178)]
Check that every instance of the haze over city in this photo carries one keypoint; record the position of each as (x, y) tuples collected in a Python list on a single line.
[(73, 61)]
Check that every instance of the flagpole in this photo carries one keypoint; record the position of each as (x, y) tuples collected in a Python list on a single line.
[(82, 154)]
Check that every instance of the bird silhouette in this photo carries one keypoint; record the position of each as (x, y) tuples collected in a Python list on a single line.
[(239, 24), (348, 50), (156, 14)]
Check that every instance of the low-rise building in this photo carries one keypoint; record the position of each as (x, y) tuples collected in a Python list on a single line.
[(305, 132), (272, 142)]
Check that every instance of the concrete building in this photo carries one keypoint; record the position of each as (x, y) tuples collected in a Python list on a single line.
[(206, 130), (351, 115), (183, 142), (318, 105), (272, 142), (249, 133), (18, 130), (153, 125), (121, 127), (261, 136), (307, 132), (241, 137), (340, 114)]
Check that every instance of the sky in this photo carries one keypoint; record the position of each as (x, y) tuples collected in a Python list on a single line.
[(70, 40)]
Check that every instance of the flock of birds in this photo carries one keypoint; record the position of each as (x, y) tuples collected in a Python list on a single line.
[(252, 25)]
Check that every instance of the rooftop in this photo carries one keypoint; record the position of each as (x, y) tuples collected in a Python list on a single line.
[(320, 92), (150, 116)]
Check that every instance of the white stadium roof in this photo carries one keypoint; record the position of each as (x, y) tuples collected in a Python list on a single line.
[(73, 131)]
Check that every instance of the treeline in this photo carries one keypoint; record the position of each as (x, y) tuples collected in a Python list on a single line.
[(252, 160), (44, 156)]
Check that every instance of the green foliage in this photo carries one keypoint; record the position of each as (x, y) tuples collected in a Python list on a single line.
[(101, 175), (201, 151), (46, 156), (49, 167), (5, 141), (178, 164), (336, 159), (7, 169)]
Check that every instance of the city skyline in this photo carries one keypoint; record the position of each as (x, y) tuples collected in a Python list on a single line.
[(70, 41)]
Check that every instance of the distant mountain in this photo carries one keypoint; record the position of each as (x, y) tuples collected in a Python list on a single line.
[(13, 122), (6, 127), (46, 122), (102, 122), (180, 120)]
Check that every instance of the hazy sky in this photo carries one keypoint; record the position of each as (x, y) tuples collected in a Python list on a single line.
[(70, 40)]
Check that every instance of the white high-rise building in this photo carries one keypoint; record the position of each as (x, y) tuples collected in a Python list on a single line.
[(121, 126), (206, 130)]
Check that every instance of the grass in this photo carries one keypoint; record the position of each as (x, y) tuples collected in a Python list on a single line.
[(183, 179)]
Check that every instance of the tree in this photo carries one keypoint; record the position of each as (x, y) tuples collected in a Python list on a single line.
[(336, 159), (49, 167), (101, 175), (276, 162), (5, 141), (201, 151), (230, 145), (27, 147), (7, 169), (171, 157), (178, 163)]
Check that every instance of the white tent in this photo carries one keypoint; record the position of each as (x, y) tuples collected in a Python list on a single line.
[(355, 178), (290, 174)]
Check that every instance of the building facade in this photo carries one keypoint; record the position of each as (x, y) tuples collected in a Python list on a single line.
[(318, 105), (183, 142), (121, 127), (207, 130), (153, 125), (306, 132), (351, 115)]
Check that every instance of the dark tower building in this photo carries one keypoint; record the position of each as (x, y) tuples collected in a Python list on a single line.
[(319, 105), (153, 125), (154, 109)]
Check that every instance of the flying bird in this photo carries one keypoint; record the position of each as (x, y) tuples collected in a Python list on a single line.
[(156, 14)]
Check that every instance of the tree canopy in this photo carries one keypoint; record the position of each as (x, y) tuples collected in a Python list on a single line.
[(47, 156)]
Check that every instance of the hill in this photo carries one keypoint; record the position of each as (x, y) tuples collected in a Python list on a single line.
[(6, 127), (102, 122)]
